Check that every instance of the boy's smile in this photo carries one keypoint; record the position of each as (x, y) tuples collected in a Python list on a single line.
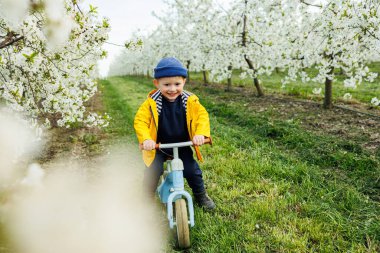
[(170, 87)]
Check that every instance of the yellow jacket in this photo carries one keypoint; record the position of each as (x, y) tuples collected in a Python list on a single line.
[(146, 121)]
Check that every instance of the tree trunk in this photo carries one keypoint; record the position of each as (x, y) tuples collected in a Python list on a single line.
[(188, 71), (327, 100), (229, 80), (260, 92), (229, 84), (205, 81), (256, 82)]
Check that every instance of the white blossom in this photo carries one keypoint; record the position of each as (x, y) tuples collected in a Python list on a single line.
[(375, 101), (48, 71), (347, 96), (350, 83), (317, 91)]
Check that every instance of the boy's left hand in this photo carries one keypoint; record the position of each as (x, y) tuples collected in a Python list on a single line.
[(198, 140)]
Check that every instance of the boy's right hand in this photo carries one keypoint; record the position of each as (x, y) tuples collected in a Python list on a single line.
[(149, 145)]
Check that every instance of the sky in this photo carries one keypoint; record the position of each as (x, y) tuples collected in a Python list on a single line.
[(126, 17)]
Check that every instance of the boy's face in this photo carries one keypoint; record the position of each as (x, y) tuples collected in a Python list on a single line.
[(170, 87)]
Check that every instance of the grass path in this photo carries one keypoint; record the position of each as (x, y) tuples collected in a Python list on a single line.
[(278, 187)]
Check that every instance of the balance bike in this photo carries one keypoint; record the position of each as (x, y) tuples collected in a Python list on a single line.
[(172, 192)]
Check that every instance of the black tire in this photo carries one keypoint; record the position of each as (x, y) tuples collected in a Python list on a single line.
[(183, 231)]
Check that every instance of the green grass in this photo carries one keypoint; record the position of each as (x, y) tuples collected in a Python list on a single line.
[(363, 93), (120, 106), (278, 187)]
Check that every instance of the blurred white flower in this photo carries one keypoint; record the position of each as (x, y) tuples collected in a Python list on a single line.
[(375, 101), (59, 25), (54, 9), (58, 31), (350, 83), (73, 214), (34, 175), (371, 77), (347, 96), (317, 91), (14, 11), (243, 75), (17, 142), (304, 77)]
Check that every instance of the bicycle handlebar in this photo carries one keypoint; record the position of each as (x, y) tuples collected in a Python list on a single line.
[(177, 144)]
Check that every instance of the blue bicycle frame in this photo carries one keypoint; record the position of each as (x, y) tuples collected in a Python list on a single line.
[(172, 187)]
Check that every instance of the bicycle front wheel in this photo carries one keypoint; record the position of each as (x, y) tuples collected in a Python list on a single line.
[(183, 231)]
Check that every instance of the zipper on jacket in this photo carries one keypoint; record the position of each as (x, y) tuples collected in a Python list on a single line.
[(154, 120), (191, 132), (191, 121)]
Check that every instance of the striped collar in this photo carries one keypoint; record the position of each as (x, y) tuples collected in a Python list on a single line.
[(157, 97)]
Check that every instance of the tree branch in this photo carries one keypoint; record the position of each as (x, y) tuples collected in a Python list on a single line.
[(309, 4), (10, 39)]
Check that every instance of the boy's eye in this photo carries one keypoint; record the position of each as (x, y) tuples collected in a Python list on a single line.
[(177, 84)]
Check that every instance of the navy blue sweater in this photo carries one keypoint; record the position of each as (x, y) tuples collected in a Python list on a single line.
[(172, 127)]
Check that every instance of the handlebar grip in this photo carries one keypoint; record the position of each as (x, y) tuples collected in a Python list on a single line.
[(208, 140), (157, 146)]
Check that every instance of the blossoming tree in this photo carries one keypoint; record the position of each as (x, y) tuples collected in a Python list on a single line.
[(259, 36), (335, 35), (48, 56)]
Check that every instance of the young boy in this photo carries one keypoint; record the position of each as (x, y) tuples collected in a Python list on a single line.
[(169, 115)]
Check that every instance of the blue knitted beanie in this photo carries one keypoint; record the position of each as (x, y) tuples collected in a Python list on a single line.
[(168, 67)]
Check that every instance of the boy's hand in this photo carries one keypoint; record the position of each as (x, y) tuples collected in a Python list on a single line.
[(198, 140), (149, 145)]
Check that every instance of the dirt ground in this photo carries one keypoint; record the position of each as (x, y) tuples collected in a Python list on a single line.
[(82, 144), (357, 123)]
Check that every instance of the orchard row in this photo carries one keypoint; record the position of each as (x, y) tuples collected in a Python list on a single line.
[(259, 37)]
